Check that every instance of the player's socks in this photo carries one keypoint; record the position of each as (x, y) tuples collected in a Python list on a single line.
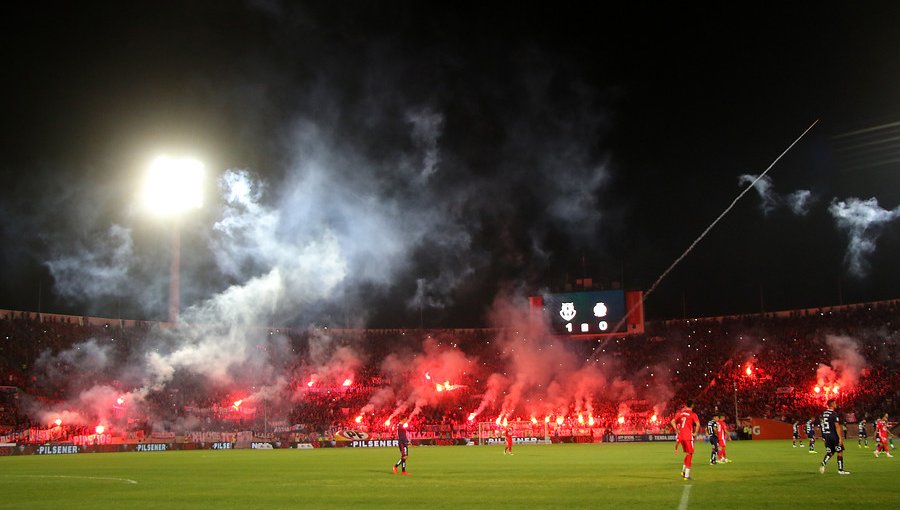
[(687, 473), (840, 463)]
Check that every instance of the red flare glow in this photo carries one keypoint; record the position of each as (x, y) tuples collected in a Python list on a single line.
[(472, 416), (749, 370), (427, 376), (57, 422), (560, 420), (99, 429), (406, 425), (835, 390), (653, 418), (387, 423), (817, 389), (590, 420), (439, 387), (621, 420), (237, 404), (581, 419), (310, 383), (120, 400), (348, 382), (358, 419), (533, 419), (546, 419)]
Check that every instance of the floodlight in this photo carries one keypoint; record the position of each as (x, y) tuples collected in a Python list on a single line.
[(173, 186)]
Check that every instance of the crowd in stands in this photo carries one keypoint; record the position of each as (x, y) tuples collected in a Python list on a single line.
[(766, 366)]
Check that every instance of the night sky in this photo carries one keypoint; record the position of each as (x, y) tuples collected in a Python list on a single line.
[(410, 163)]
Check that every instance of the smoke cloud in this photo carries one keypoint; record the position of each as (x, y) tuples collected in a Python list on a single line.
[(863, 221), (798, 202)]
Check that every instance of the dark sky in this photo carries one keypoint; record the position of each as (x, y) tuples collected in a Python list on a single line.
[(412, 161)]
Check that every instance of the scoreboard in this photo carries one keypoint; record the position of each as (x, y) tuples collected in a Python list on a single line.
[(592, 313)]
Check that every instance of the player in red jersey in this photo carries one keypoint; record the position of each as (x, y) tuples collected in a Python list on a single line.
[(723, 438), (881, 436), (686, 424), (509, 441)]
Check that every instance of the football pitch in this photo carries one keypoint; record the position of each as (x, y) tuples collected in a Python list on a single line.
[(763, 474)]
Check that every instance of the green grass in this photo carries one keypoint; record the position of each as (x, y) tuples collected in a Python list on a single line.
[(764, 474)]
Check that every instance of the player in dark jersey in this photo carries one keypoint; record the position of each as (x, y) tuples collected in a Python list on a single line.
[(811, 434), (833, 435), (795, 428), (712, 431), (403, 443), (862, 434)]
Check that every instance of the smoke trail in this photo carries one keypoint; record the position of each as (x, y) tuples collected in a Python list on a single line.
[(863, 221)]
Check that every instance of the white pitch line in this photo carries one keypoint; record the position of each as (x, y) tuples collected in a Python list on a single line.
[(684, 498), (126, 480)]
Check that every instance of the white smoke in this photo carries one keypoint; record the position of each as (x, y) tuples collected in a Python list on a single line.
[(798, 201), (863, 221), (95, 268)]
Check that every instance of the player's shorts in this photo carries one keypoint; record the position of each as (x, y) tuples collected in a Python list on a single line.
[(714, 440), (404, 450), (833, 445), (863, 433), (687, 445), (796, 435)]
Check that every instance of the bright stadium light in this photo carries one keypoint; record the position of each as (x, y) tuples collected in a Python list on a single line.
[(173, 186)]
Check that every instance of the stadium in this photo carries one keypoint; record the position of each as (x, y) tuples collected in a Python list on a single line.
[(580, 406), (292, 254)]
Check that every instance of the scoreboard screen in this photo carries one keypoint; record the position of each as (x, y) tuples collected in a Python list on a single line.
[(586, 313)]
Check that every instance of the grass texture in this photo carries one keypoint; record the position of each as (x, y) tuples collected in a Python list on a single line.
[(763, 474)]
